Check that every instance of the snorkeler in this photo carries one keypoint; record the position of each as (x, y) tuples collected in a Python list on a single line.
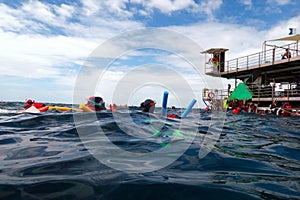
[(148, 106), (95, 103), (30, 103)]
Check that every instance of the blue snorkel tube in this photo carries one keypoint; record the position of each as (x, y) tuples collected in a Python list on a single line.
[(164, 104), (189, 108)]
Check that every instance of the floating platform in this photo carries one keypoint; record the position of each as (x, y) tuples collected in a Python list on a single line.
[(268, 75)]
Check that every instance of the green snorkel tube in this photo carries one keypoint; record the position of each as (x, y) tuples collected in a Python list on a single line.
[(102, 105)]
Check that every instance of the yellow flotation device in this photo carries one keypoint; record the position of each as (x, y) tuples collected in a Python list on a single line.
[(85, 108), (60, 108)]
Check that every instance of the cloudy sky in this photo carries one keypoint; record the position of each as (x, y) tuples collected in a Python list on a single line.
[(47, 46)]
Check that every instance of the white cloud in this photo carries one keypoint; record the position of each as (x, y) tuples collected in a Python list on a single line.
[(169, 6), (239, 39), (9, 19), (90, 7), (45, 56), (125, 9), (209, 7), (34, 17), (118, 7), (280, 2), (282, 28), (39, 11), (64, 11), (277, 6), (106, 8), (247, 3)]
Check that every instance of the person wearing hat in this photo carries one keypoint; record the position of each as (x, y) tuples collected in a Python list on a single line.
[(30, 103), (95, 103), (148, 106)]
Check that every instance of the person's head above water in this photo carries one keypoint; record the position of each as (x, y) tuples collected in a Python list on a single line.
[(28, 103), (96, 103), (148, 106)]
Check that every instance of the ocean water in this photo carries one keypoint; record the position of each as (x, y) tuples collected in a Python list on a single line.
[(131, 155)]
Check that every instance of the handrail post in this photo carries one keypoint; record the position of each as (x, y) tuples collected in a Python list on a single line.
[(247, 62), (297, 47), (258, 93), (273, 56), (227, 66), (289, 57)]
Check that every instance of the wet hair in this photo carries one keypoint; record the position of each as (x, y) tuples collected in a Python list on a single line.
[(96, 102), (95, 99), (98, 99), (148, 106)]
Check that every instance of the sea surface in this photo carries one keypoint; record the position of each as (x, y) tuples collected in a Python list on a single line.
[(132, 155)]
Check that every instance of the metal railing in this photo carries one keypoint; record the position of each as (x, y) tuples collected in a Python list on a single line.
[(257, 59), (213, 98), (261, 92), (257, 92), (214, 93)]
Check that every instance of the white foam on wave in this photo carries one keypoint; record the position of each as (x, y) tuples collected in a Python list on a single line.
[(7, 111)]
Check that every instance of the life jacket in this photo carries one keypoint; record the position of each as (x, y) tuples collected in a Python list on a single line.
[(236, 111), (38, 105), (206, 109), (30, 103), (43, 109), (284, 112), (173, 116), (287, 106)]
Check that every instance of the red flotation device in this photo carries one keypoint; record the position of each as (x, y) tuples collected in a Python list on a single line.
[(43, 109), (236, 111), (172, 116), (286, 113)]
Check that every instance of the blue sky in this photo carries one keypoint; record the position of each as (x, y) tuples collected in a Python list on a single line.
[(45, 43)]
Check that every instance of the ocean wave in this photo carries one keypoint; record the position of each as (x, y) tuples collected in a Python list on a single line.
[(245, 156)]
